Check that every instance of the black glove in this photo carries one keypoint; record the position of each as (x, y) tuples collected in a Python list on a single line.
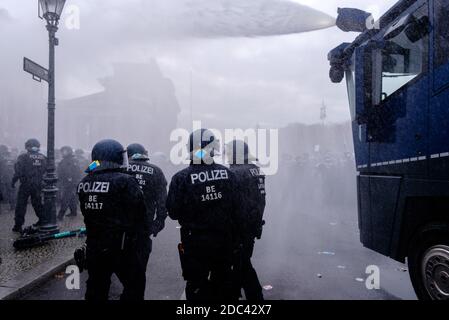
[(13, 184), (80, 256), (157, 226), (259, 230)]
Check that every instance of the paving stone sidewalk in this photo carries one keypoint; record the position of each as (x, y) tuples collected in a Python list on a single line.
[(16, 264)]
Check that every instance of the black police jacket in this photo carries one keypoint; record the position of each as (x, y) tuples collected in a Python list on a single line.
[(252, 187), (83, 163), (30, 168), (8, 170), (205, 200), (152, 181), (69, 171), (112, 205), (2, 175)]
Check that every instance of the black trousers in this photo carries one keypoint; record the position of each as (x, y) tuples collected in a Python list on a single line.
[(208, 272), (9, 194), (245, 276), (27, 191), (145, 247), (69, 200), (1, 198), (126, 264)]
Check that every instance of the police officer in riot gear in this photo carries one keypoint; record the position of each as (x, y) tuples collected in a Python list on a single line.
[(204, 199), (154, 186), (2, 174), (69, 176), (6, 174), (114, 213), (29, 169), (252, 187), (81, 159), (1, 193), (3, 152)]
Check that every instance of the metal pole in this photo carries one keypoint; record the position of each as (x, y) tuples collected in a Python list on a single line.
[(50, 190)]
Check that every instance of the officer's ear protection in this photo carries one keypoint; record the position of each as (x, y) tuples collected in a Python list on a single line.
[(208, 152), (124, 163)]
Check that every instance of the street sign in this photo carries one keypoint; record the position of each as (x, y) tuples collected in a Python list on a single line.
[(38, 72)]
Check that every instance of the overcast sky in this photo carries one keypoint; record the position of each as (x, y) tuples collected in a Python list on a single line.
[(237, 82)]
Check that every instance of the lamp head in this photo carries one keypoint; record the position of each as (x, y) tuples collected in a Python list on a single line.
[(51, 10)]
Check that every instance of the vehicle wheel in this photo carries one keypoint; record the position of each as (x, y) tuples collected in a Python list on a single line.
[(428, 263)]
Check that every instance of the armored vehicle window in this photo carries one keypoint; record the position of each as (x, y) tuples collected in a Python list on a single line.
[(350, 81), (401, 60), (441, 32)]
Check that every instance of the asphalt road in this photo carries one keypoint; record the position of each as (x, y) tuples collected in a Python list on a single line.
[(164, 281), (310, 248), (302, 255)]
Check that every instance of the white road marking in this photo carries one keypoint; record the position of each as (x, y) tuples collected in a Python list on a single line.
[(407, 160)]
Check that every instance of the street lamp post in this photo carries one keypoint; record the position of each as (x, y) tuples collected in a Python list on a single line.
[(51, 10)]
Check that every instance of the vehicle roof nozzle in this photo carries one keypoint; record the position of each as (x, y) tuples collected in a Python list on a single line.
[(354, 20), (338, 63)]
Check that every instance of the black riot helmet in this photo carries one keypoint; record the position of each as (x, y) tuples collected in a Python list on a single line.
[(137, 151), (32, 145), (4, 150), (238, 152), (203, 143), (66, 151), (79, 152), (109, 151)]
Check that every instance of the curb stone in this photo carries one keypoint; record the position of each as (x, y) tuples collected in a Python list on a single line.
[(23, 284)]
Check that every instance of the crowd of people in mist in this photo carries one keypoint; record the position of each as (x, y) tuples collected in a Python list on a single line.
[(319, 179), (71, 163), (319, 186), (324, 178)]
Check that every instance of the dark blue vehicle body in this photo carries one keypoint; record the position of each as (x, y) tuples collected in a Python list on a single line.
[(399, 94)]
